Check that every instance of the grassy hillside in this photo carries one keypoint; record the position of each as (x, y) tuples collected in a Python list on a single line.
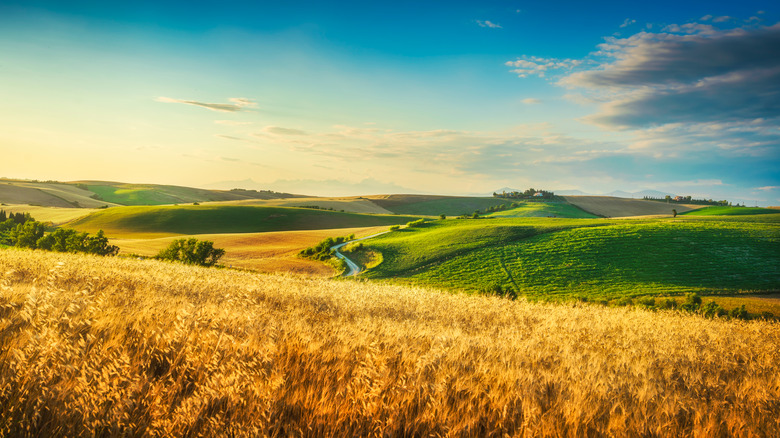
[(155, 194), (431, 205), (608, 206), (542, 209), (594, 258), (730, 211), (206, 219), (111, 347)]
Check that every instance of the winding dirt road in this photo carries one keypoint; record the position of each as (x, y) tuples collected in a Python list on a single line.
[(354, 269)]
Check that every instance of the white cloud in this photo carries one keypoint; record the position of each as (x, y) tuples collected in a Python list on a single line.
[(490, 24), (627, 22), (768, 188), (534, 65), (531, 101)]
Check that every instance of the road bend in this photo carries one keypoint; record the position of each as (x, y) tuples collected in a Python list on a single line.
[(354, 269)]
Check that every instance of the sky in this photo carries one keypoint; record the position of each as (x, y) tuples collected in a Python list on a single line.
[(347, 98)]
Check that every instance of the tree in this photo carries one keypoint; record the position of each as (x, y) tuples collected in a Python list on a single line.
[(192, 252)]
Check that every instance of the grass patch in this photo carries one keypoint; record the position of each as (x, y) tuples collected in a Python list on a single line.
[(543, 209), (556, 259), (189, 219), (730, 211), (436, 205)]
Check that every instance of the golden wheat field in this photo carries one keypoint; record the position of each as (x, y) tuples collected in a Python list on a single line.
[(118, 347)]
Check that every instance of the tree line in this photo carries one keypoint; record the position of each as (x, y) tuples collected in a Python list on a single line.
[(528, 194), (21, 230)]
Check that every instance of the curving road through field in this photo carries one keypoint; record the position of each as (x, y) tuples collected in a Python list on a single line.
[(354, 269)]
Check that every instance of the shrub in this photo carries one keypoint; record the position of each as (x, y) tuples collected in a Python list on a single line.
[(395, 227), (713, 309), (739, 312), (692, 302), (417, 223), (192, 252)]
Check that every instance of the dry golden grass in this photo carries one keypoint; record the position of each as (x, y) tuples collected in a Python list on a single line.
[(111, 347), (263, 252)]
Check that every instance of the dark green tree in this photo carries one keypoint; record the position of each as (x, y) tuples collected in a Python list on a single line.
[(192, 252)]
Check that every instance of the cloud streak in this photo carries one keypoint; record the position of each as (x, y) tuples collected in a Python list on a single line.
[(236, 104)]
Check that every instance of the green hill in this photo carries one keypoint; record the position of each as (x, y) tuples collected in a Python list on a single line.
[(433, 205), (596, 258), (202, 219), (730, 211), (155, 194), (543, 209)]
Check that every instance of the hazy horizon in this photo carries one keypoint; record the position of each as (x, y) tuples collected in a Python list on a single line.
[(432, 97)]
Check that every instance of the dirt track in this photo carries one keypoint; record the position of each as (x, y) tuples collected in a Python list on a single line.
[(608, 206)]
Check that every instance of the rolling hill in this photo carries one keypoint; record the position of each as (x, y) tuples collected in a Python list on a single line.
[(608, 206), (594, 258), (434, 205), (100, 194), (161, 221)]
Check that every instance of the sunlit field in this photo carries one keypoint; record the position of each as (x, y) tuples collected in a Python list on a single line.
[(120, 347)]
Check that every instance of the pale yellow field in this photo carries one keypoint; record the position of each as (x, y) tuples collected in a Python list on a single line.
[(55, 215), (348, 204), (119, 347), (262, 252), (608, 206), (47, 195)]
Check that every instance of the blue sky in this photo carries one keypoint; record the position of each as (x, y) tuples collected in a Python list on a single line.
[(375, 97)]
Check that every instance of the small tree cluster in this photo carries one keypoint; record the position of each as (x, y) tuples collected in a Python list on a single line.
[(65, 240), (192, 252), (322, 251)]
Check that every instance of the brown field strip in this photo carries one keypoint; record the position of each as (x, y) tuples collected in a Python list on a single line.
[(348, 204), (263, 252), (608, 206)]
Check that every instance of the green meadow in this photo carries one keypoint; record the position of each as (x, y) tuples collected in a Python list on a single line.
[(209, 219), (730, 211), (542, 209), (594, 258)]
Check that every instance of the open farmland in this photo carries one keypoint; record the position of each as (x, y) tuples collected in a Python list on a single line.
[(104, 346), (608, 206), (164, 221), (597, 258), (348, 204), (434, 205), (263, 252)]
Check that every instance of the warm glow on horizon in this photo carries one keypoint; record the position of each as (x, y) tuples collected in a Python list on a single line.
[(453, 98)]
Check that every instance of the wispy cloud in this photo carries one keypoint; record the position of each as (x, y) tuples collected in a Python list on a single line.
[(768, 188), (537, 66), (627, 22), (488, 23), (278, 130), (237, 104), (531, 101)]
